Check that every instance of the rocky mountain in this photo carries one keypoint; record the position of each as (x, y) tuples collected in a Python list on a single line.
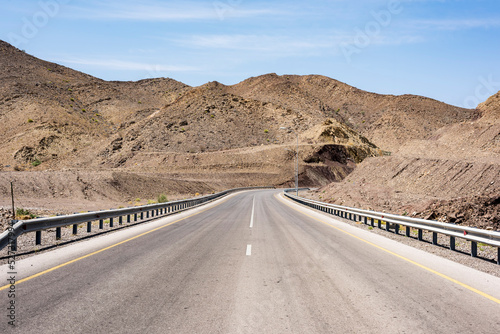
[(115, 136), (387, 120), (50, 112), (452, 175)]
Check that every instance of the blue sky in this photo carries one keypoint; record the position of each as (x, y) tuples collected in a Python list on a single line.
[(448, 50)]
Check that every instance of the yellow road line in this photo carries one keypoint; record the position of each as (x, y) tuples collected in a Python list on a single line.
[(468, 287), (109, 247)]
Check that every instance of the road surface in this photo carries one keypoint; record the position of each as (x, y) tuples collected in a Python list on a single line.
[(253, 262)]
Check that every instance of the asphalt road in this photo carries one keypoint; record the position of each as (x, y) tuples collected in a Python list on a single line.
[(250, 263)]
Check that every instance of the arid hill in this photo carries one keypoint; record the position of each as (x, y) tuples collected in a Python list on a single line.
[(54, 118), (387, 120), (49, 112), (453, 175), (115, 141)]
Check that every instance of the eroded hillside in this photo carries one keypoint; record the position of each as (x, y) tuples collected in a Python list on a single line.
[(66, 135)]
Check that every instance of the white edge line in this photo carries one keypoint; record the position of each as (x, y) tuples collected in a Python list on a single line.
[(249, 250)]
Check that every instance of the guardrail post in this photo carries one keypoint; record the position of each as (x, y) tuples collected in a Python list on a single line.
[(135, 217), (498, 255), (408, 231), (38, 237), (420, 235), (452, 243), (473, 249), (387, 226), (396, 229), (120, 220), (434, 238), (75, 229), (366, 220), (58, 233), (379, 223), (372, 222), (13, 242), (111, 222), (142, 215), (101, 224), (128, 219), (89, 227)]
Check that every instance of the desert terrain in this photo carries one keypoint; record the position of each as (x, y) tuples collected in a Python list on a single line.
[(72, 142)]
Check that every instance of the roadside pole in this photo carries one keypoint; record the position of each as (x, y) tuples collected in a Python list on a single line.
[(12, 196)]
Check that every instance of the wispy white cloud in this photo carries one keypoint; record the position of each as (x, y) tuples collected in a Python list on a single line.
[(393, 39), (455, 24), (289, 45), (126, 65), (155, 10), (253, 42)]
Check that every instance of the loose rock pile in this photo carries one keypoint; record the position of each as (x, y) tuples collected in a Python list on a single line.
[(5, 218)]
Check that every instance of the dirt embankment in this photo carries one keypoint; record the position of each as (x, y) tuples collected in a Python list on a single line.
[(74, 191), (451, 191)]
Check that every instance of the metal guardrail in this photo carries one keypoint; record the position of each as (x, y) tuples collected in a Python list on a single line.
[(9, 236), (391, 221)]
